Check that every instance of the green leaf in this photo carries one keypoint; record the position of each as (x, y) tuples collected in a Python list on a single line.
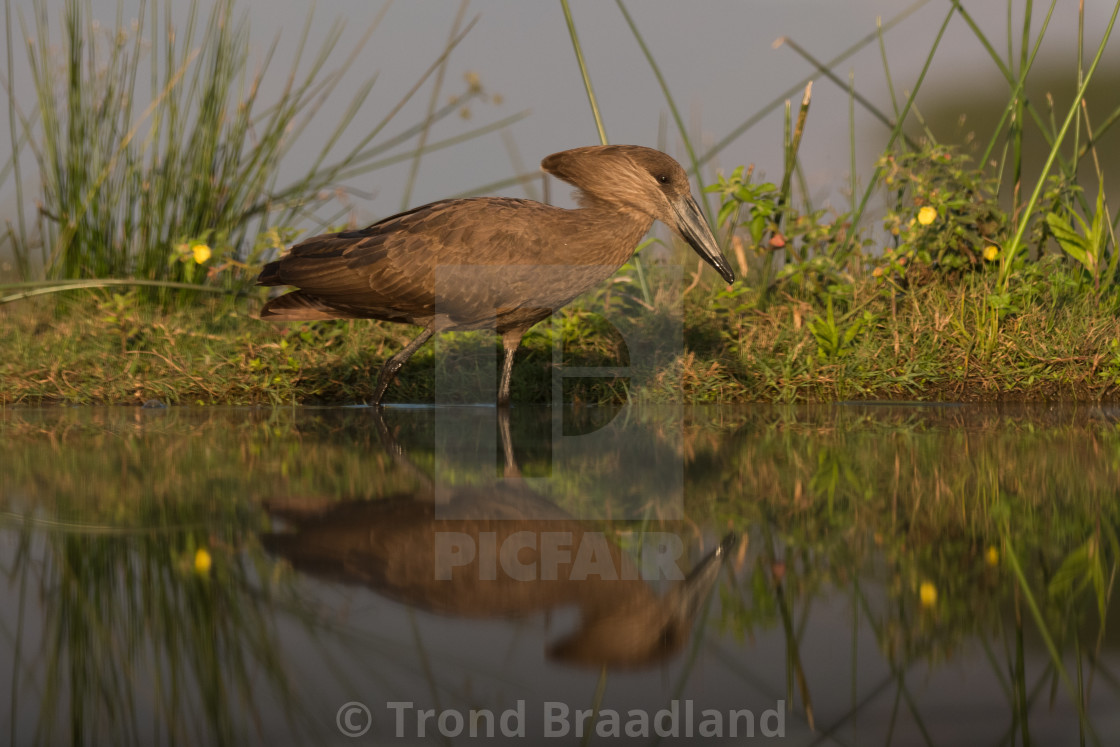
[(725, 212), (757, 226), (1096, 233), (1071, 242)]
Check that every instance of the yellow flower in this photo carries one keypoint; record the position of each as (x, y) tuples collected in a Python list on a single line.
[(201, 253), (927, 215), (928, 594), (992, 556), (991, 252), (202, 562)]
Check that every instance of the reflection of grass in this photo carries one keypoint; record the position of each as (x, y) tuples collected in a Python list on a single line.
[(876, 501), (992, 514), (136, 632), (131, 629), (148, 469)]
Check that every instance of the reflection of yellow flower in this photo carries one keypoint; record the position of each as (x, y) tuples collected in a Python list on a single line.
[(928, 594), (201, 253), (927, 215), (202, 562), (991, 252), (992, 556)]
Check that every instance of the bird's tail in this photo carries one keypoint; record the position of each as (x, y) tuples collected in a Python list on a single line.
[(270, 275), (298, 306)]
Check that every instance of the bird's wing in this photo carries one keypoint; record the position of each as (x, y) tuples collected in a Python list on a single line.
[(451, 257)]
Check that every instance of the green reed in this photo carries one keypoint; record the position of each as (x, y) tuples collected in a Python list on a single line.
[(160, 154)]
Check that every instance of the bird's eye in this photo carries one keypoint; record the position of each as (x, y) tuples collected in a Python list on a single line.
[(663, 178)]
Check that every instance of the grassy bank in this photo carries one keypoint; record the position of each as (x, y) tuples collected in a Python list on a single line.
[(940, 341), (949, 275)]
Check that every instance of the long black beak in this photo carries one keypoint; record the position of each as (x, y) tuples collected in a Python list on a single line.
[(694, 229)]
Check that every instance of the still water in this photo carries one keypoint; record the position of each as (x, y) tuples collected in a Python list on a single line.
[(834, 575)]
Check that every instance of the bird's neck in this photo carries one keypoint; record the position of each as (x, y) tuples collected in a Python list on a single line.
[(602, 233)]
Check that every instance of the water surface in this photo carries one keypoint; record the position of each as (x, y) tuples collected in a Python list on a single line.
[(856, 574)]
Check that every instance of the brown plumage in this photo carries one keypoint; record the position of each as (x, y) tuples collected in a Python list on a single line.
[(492, 262)]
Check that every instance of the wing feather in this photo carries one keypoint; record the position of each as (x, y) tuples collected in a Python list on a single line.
[(389, 270)]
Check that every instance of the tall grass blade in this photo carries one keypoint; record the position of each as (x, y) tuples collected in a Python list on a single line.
[(793, 90), (518, 164), (793, 146), (47, 287), (1015, 245), (681, 129), (886, 65), (426, 125), (17, 145), (72, 225), (895, 133), (583, 71), (125, 193), (500, 124), (639, 268), (853, 187), (490, 187), (1017, 82), (354, 157), (849, 87)]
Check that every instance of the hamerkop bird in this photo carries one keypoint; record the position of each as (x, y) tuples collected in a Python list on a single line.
[(492, 262)]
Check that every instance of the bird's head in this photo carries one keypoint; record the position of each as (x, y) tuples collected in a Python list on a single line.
[(642, 180)]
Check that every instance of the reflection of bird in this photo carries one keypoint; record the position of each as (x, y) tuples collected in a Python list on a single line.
[(492, 262), (498, 531), (393, 546)]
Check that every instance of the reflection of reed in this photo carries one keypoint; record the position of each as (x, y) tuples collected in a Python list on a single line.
[(135, 648), (870, 499), (921, 471), (399, 547), (875, 498)]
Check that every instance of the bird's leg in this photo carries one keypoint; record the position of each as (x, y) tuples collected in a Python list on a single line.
[(510, 340), (391, 366)]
